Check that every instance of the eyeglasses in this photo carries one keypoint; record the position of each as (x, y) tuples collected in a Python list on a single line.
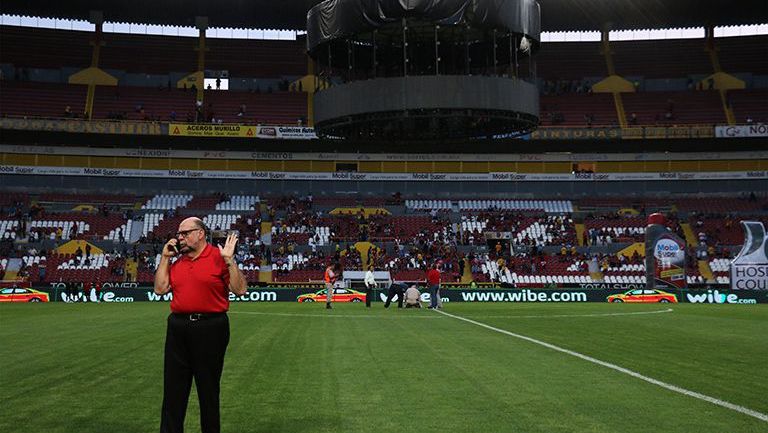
[(185, 233)]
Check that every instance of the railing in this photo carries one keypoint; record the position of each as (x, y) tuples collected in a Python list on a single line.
[(294, 132), (629, 133)]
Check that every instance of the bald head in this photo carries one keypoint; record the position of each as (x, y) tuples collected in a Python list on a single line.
[(191, 235), (192, 222)]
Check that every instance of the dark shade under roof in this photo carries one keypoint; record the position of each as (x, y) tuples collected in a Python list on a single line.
[(556, 15)]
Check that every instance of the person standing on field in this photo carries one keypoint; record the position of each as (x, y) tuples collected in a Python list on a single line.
[(197, 332), (370, 284), (433, 281), (330, 277)]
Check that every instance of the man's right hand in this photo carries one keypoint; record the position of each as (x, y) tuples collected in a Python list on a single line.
[(169, 249)]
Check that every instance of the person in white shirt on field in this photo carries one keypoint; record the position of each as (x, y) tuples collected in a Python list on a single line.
[(370, 284)]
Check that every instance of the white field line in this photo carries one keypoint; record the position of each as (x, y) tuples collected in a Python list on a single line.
[(337, 316), (637, 313), (741, 409), (366, 316)]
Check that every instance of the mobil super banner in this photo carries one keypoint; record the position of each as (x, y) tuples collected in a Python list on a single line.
[(669, 258)]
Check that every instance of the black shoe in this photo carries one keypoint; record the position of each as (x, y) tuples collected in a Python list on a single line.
[(328, 306)]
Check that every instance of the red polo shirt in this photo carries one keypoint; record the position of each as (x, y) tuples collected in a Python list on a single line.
[(200, 285), (433, 276)]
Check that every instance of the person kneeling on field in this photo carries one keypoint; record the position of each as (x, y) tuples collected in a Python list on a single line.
[(396, 290), (412, 297)]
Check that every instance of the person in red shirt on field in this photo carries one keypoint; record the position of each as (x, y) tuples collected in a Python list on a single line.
[(97, 291), (433, 281), (198, 327), (331, 275)]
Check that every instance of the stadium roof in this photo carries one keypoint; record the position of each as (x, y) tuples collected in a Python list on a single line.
[(557, 15)]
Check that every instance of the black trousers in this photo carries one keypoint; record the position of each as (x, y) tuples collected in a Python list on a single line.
[(368, 296), (193, 349), (396, 289)]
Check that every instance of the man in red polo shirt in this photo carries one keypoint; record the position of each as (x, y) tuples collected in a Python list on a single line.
[(198, 328), (433, 281)]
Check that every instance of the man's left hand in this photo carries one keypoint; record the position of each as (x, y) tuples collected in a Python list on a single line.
[(228, 250)]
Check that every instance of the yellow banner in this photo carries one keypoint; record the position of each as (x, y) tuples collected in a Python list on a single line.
[(211, 130)]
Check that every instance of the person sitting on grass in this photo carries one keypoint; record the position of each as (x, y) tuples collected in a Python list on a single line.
[(412, 297)]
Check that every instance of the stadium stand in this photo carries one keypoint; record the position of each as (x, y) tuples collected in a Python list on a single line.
[(150, 54), (542, 250)]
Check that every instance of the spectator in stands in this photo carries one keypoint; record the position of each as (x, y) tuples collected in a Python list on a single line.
[(633, 119), (68, 112)]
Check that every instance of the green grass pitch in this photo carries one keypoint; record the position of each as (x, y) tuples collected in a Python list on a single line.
[(98, 368)]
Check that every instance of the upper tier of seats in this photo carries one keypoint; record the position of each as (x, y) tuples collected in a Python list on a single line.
[(147, 103), (47, 48), (676, 58)]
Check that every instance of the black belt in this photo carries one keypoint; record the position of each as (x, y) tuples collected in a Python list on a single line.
[(194, 317)]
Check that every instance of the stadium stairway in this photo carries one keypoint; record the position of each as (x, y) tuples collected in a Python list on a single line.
[(362, 248), (690, 236), (265, 272), (72, 246), (706, 271), (135, 233), (629, 251), (467, 278), (580, 229), (131, 269), (266, 232), (12, 268)]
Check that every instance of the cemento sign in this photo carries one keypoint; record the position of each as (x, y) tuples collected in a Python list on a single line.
[(749, 270)]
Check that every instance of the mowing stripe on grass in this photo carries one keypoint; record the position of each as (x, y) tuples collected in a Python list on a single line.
[(366, 316), (338, 316), (547, 316), (741, 409)]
